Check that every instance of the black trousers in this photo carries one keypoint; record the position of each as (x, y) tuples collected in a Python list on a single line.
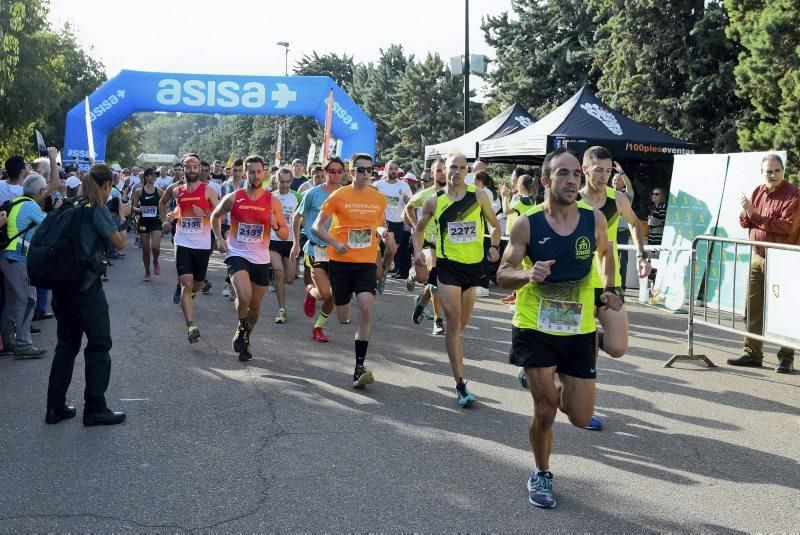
[(402, 259), (77, 315)]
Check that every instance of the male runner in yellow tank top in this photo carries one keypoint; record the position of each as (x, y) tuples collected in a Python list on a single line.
[(461, 213)]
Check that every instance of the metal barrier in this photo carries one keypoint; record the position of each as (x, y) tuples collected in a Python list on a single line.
[(690, 355)]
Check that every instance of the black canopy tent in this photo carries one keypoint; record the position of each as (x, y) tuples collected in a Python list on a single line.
[(577, 124), (512, 119)]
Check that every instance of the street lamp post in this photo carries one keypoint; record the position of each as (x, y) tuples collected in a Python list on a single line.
[(466, 66), (285, 45)]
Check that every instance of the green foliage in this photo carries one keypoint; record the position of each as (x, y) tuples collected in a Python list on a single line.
[(768, 73)]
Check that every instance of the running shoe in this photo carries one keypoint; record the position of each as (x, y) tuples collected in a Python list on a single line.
[(362, 377), (418, 311), (410, 282), (194, 334), (207, 287), (381, 283), (156, 268), (281, 317), (595, 423), (147, 277), (465, 397), (523, 379), (427, 314), (28, 352), (245, 355), (482, 292), (226, 291), (138, 242), (438, 327), (433, 288), (271, 286), (176, 297), (319, 335), (240, 339), (310, 304), (540, 490)]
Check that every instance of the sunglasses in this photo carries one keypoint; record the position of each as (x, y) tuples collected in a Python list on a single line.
[(335, 171), (655, 193), (364, 170), (427, 179)]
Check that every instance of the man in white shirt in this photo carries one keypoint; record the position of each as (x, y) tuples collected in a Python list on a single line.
[(163, 179), (397, 194)]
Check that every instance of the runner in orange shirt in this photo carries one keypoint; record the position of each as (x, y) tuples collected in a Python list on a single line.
[(357, 214)]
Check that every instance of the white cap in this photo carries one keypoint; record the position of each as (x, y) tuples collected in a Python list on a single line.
[(73, 181), (412, 176), (116, 167)]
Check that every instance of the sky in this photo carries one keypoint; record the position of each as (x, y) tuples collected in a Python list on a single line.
[(221, 37)]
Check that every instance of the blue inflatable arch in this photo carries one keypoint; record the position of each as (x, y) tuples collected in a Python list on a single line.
[(133, 91)]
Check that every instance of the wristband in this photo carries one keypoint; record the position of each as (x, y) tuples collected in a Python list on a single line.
[(644, 255), (616, 290)]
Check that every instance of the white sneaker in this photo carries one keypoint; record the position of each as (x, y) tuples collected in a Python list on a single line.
[(482, 292), (226, 291)]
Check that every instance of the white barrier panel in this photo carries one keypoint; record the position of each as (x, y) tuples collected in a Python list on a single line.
[(781, 295)]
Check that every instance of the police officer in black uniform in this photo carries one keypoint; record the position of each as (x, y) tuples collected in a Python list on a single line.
[(84, 310)]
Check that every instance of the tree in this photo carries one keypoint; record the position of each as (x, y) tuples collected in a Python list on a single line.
[(544, 53), (427, 110), (768, 73)]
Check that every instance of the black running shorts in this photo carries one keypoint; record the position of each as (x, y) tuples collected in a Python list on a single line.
[(465, 276), (348, 278), (283, 248), (192, 262), (259, 273), (572, 355)]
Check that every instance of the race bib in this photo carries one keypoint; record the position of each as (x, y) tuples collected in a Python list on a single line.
[(149, 211), (394, 202), (559, 316), (462, 231), (359, 238), (321, 253), (250, 233), (192, 225)]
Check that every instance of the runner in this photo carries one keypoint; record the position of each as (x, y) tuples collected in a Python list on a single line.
[(553, 327), (397, 193), (317, 178), (192, 237), (315, 250), (461, 214), (145, 204), (412, 212), (253, 210), (169, 208), (357, 212), (234, 183), (283, 267)]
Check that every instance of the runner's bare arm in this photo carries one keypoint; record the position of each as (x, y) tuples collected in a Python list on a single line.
[(211, 197), (319, 229), (509, 274), (410, 215), (428, 211), (626, 212), (279, 224), (220, 211), (162, 206), (491, 218), (608, 264), (135, 202)]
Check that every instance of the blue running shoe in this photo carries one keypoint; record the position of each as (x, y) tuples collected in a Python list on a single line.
[(176, 297), (595, 423), (523, 379), (465, 397), (540, 490), (381, 283)]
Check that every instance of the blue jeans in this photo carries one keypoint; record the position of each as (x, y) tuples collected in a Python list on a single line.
[(42, 295)]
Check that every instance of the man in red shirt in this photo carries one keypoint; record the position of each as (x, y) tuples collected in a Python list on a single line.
[(770, 214)]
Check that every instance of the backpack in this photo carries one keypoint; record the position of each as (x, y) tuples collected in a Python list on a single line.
[(54, 254), (5, 239)]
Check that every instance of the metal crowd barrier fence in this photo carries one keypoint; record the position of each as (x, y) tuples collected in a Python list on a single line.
[(691, 355)]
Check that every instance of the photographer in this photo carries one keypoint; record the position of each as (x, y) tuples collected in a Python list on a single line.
[(84, 309)]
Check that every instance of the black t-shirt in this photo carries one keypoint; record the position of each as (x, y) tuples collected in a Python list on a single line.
[(297, 182)]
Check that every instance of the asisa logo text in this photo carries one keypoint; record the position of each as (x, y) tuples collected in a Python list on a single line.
[(225, 94), (106, 104)]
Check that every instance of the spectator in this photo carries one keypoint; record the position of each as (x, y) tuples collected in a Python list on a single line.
[(298, 170), (163, 180), (85, 310), (20, 297), (17, 169), (769, 214), (657, 216)]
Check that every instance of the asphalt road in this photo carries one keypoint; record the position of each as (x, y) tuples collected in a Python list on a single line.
[(284, 443)]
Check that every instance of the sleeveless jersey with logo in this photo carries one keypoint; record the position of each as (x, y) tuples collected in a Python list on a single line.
[(251, 221), (148, 202), (191, 230), (520, 207), (562, 304), (417, 200), (609, 210), (461, 228), (289, 203)]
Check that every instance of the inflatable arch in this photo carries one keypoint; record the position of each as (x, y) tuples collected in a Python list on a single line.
[(133, 91)]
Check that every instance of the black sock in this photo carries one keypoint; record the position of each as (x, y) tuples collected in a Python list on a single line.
[(243, 323), (460, 385), (361, 352), (189, 323)]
